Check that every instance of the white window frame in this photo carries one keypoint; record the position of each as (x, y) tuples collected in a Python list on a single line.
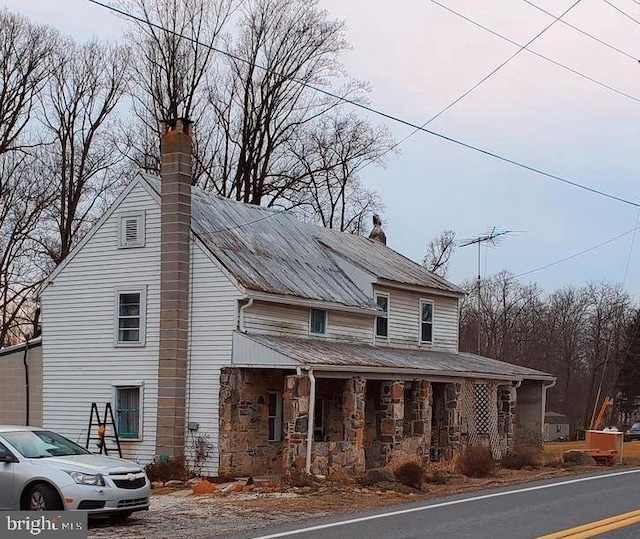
[(115, 388), (142, 317), (420, 322), (326, 321), (376, 337), (277, 418), (139, 218)]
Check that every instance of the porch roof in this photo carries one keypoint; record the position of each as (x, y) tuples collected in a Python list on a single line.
[(264, 351)]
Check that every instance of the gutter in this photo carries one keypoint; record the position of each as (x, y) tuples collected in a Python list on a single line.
[(545, 387), (302, 302), (26, 380), (396, 371), (241, 316), (312, 410)]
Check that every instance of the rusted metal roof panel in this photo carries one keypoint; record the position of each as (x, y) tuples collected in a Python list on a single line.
[(383, 262), (272, 251), (322, 354)]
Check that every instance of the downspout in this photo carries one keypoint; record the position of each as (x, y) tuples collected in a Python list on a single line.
[(545, 387), (242, 309), (312, 406), (26, 380)]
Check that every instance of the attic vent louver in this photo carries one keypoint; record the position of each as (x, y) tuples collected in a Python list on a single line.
[(132, 230)]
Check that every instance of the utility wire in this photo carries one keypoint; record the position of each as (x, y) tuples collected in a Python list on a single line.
[(587, 34), (384, 114), (635, 329), (580, 253), (481, 81), (539, 55), (620, 11)]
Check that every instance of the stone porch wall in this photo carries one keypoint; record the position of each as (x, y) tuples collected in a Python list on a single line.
[(244, 422)]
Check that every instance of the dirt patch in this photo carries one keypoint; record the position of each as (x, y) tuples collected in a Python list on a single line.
[(266, 505)]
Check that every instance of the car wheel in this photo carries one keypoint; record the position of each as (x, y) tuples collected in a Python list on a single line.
[(43, 497)]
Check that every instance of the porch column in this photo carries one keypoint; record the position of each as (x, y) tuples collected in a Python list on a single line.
[(453, 406), (420, 418), (507, 397), (296, 419), (353, 399), (392, 419)]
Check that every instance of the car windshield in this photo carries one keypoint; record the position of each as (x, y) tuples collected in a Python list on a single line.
[(39, 444), (635, 426)]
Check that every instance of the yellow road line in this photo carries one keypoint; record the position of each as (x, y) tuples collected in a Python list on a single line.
[(597, 527)]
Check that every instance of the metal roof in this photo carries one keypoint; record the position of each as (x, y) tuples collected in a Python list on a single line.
[(33, 343), (274, 252), (331, 355), (382, 261)]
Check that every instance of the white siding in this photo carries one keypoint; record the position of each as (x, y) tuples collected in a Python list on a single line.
[(80, 362), (213, 318), (404, 320), (293, 321)]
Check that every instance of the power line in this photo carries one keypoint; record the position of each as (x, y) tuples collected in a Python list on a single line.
[(381, 113), (620, 11), (539, 55), (580, 253), (481, 81), (587, 34)]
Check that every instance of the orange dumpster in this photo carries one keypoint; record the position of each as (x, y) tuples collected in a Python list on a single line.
[(604, 445)]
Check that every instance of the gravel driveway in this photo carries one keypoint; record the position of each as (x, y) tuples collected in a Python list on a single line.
[(181, 516)]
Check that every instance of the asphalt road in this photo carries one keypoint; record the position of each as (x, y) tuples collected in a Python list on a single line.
[(523, 512)]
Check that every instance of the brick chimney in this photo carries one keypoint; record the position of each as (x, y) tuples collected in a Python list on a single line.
[(377, 233), (175, 226)]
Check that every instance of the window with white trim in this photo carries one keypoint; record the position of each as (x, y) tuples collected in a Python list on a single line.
[(130, 317), (318, 321), (426, 320), (128, 411), (131, 230), (382, 320), (275, 416)]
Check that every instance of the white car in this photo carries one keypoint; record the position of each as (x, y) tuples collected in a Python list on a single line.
[(43, 471)]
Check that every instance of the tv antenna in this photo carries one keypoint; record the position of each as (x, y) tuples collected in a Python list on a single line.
[(490, 238)]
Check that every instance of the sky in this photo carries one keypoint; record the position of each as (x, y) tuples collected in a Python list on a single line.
[(419, 57)]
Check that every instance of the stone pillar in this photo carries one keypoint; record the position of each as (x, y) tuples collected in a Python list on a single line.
[(227, 410), (296, 418), (175, 227), (420, 418), (453, 406), (392, 418), (507, 396), (353, 400)]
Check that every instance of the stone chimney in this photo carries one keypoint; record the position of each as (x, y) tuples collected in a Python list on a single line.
[(175, 226), (377, 233)]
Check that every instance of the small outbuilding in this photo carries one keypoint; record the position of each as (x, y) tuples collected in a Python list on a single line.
[(556, 427)]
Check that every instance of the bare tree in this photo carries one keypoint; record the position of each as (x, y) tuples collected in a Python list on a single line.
[(24, 196), (326, 161), (174, 52), (78, 114), (439, 252), (25, 54)]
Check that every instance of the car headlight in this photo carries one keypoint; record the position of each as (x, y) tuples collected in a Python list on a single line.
[(87, 479)]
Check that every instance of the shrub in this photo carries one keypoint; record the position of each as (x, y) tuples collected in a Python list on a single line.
[(409, 474), (476, 461), (166, 469), (521, 457), (437, 477)]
